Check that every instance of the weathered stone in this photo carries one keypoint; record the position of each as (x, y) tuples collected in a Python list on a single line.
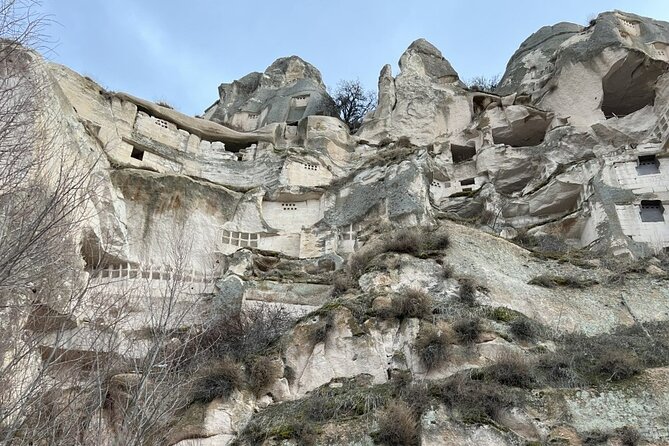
[(267, 203), (289, 90)]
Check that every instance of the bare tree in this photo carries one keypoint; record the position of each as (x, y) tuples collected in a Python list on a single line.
[(353, 102), (86, 358), (116, 380), (43, 194), (484, 83)]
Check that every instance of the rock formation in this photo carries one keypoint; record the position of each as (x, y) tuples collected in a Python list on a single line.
[(268, 201), (287, 91)]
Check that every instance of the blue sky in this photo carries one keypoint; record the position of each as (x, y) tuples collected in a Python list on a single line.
[(180, 51)]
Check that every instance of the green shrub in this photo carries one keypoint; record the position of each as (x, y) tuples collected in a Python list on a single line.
[(336, 403), (446, 271), (468, 330), (164, 104), (502, 314), (594, 438), (525, 240), (510, 370), (417, 396), (413, 303), (238, 335), (435, 240), (628, 436), (554, 281), (404, 142), (558, 370), (217, 380), (475, 401), (302, 420), (401, 379), (484, 83), (417, 241), (467, 291), (341, 283), (404, 241), (591, 360), (358, 261), (525, 329), (617, 365), (262, 373), (432, 347), (397, 425), (300, 431)]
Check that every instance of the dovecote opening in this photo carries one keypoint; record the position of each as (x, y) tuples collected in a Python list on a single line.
[(648, 165), (137, 154), (300, 101), (461, 154), (652, 211), (162, 123), (629, 26), (289, 206)]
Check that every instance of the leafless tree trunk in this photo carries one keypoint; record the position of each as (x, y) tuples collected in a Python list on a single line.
[(353, 102), (55, 372)]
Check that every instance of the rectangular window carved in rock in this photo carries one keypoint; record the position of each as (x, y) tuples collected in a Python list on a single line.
[(652, 211), (137, 154), (467, 182), (648, 165), (462, 153)]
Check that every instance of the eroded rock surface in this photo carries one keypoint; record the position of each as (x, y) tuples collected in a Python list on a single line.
[(269, 202)]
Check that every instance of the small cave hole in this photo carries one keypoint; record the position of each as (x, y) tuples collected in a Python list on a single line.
[(238, 146), (137, 154), (462, 153)]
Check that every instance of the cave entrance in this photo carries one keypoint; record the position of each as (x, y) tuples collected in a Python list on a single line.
[(238, 146), (462, 153), (523, 132), (630, 85)]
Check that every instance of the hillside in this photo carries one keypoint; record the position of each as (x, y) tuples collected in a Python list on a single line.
[(468, 267)]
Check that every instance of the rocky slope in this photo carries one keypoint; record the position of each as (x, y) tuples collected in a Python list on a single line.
[(469, 267)]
